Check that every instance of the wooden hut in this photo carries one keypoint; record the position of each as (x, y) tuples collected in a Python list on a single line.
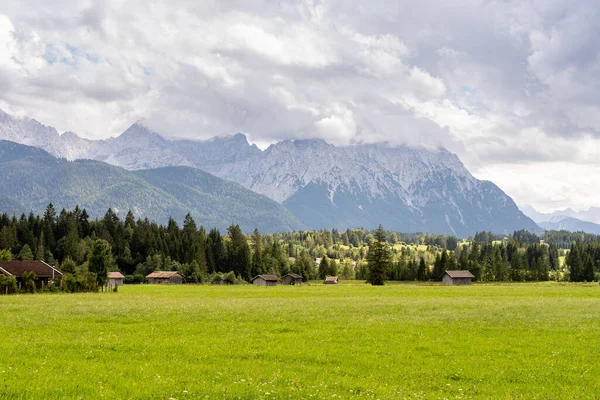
[(45, 273), (265, 280), (165, 277), (457, 278), (331, 280), (115, 279), (291, 279)]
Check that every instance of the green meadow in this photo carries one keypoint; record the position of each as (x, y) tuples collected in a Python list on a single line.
[(399, 341)]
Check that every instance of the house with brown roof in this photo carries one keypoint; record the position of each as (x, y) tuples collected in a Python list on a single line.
[(165, 277), (115, 279), (45, 273), (457, 278), (265, 280), (291, 279), (331, 280)]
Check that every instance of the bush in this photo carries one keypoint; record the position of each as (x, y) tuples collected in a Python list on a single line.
[(230, 278), (28, 279), (69, 283), (216, 278), (8, 284), (134, 279)]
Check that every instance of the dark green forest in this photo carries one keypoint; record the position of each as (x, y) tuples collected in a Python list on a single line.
[(71, 239)]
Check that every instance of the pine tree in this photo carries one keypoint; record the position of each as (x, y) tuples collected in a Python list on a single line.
[(574, 262), (588, 269), (257, 254), (437, 267), (333, 268), (25, 254), (324, 267), (100, 260), (68, 266), (379, 258), (238, 253), (422, 274)]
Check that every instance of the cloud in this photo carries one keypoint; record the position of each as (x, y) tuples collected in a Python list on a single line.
[(507, 85)]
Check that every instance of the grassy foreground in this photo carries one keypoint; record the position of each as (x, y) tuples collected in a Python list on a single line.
[(398, 341)]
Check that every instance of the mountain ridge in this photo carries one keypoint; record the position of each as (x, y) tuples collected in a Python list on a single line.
[(406, 188), (32, 178)]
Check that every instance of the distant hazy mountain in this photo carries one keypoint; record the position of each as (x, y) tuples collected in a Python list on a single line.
[(590, 215), (572, 225), (324, 186), (31, 178)]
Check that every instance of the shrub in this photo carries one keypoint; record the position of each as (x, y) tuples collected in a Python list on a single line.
[(216, 278), (8, 284), (69, 283), (28, 279)]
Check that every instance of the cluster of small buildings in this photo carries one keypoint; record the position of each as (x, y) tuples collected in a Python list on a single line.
[(287, 279), (47, 274)]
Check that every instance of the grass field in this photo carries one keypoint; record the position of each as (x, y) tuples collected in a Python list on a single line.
[(346, 341)]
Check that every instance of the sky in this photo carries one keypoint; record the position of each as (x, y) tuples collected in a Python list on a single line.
[(511, 87)]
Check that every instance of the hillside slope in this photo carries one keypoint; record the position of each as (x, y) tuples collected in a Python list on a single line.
[(31, 178)]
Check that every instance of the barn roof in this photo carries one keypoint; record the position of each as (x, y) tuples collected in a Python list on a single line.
[(331, 278), (163, 274), (115, 275), (17, 268), (295, 276), (459, 274), (266, 278)]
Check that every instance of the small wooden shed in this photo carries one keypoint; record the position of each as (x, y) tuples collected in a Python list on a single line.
[(265, 280), (45, 273), (291, 279), (457, 278), (165, 277), (115, 279), (331, 280)]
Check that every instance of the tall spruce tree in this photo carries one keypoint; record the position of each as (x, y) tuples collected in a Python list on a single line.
[(574, 261), (379, 258), (100, 260), (324, 267), (423, 273)]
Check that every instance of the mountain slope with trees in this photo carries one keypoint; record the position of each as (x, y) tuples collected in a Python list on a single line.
[(324, 186), (31, 178)]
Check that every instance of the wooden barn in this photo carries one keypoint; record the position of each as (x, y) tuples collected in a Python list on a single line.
[(45, 273), (265, 280), (165, 278), (291, 279), (115, 279), (331, 280), (457, 278)]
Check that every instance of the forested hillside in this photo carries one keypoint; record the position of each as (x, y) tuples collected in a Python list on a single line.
[(30, 177)]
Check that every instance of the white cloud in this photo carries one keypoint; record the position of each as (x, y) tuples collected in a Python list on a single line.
[(508, 85)]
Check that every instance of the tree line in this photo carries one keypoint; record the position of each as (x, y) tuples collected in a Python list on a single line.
[(136, 247)]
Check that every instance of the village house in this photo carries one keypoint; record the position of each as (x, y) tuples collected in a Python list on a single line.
[(115, 279), (291, 279), (165, 277), (265, 280), (45, 274), (457, 278), (331, 280)]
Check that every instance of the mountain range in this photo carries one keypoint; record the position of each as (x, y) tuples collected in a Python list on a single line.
[(31, 178), (567, 219), (318, 185)]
